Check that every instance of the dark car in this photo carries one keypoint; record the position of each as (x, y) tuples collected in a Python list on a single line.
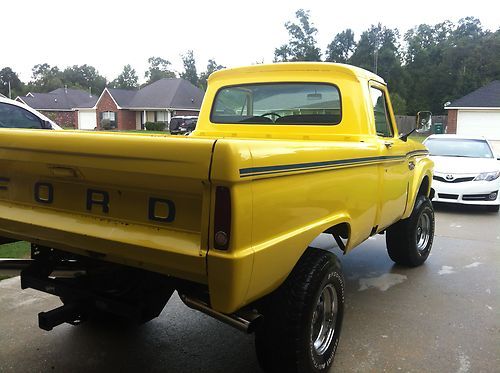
[(181, 125)]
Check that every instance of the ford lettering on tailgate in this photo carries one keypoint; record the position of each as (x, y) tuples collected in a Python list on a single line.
[(159, 209), (98, 201)]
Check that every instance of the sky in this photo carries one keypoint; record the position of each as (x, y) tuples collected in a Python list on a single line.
[(110, 34)]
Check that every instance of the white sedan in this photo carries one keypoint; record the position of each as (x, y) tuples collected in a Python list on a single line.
[(15, 114), (466, 170)]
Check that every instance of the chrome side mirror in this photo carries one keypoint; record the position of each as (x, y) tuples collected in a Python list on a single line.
[(424, 121)]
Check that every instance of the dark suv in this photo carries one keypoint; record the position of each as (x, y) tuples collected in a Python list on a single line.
[(182, 125)]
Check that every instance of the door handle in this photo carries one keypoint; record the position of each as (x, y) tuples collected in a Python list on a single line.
[(61, 171), (388, 144)]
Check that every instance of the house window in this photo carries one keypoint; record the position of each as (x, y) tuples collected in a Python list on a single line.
[(161, 116), (110, 115), (108, 120)]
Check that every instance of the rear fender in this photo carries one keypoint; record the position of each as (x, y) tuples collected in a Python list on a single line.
[(273, 260)]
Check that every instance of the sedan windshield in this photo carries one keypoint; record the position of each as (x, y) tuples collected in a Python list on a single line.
[(459, 148), (280, 103)]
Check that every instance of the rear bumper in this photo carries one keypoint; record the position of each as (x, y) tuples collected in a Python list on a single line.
[(467, 193)]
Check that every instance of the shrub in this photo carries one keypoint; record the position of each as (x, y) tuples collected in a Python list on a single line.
[(155, 126), (107, 125)]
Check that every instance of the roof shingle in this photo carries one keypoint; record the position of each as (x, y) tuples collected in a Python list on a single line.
[(60, 99), (487, 96), (122, 96), (163, 94)]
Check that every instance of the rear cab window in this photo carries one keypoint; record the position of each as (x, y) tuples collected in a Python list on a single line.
[(278, 103)]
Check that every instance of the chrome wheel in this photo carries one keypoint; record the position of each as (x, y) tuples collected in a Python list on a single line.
[(324, 319), (423, 232)]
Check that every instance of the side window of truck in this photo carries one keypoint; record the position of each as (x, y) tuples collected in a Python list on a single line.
[(382, 120)]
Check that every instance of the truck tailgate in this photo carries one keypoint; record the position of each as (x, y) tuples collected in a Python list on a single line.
[(135, 199)]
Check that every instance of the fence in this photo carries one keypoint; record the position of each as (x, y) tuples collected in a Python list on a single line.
[(406, 123)]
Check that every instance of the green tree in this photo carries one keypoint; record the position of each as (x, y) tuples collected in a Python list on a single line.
[(425, 47), (212, 67), (302, 43), (489, 62), (45, 78), (190, 73), (283, 54), (464, 56), (83, 77), (127, 79), (378, 50), (447, 61), (398, 104), (9, 77), (159, 68), (426, 43), (468, 28), (376, 43), (341, 48)]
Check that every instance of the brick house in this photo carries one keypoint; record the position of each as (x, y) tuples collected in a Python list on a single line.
[(156, 102), (72, 108), (476, 114)]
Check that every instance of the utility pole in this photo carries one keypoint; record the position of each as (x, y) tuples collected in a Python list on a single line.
[(10, 92)]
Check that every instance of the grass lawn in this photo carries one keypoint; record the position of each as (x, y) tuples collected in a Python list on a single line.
[(18, 249), (417, 137)]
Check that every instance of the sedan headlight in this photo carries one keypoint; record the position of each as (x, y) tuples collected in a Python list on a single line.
[(487, 176)]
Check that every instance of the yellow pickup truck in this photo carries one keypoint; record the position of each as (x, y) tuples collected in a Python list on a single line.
[(281, 154)]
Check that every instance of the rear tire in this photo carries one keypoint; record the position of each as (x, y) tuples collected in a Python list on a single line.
[(409, 241), (303, 318)]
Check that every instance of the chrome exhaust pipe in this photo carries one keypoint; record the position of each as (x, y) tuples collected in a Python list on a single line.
[(243, 321), (13, 267)]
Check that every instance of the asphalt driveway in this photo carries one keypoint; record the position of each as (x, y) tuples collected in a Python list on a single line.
[(441, 317)]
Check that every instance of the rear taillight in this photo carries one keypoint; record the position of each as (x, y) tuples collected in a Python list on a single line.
[(222, 221)]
